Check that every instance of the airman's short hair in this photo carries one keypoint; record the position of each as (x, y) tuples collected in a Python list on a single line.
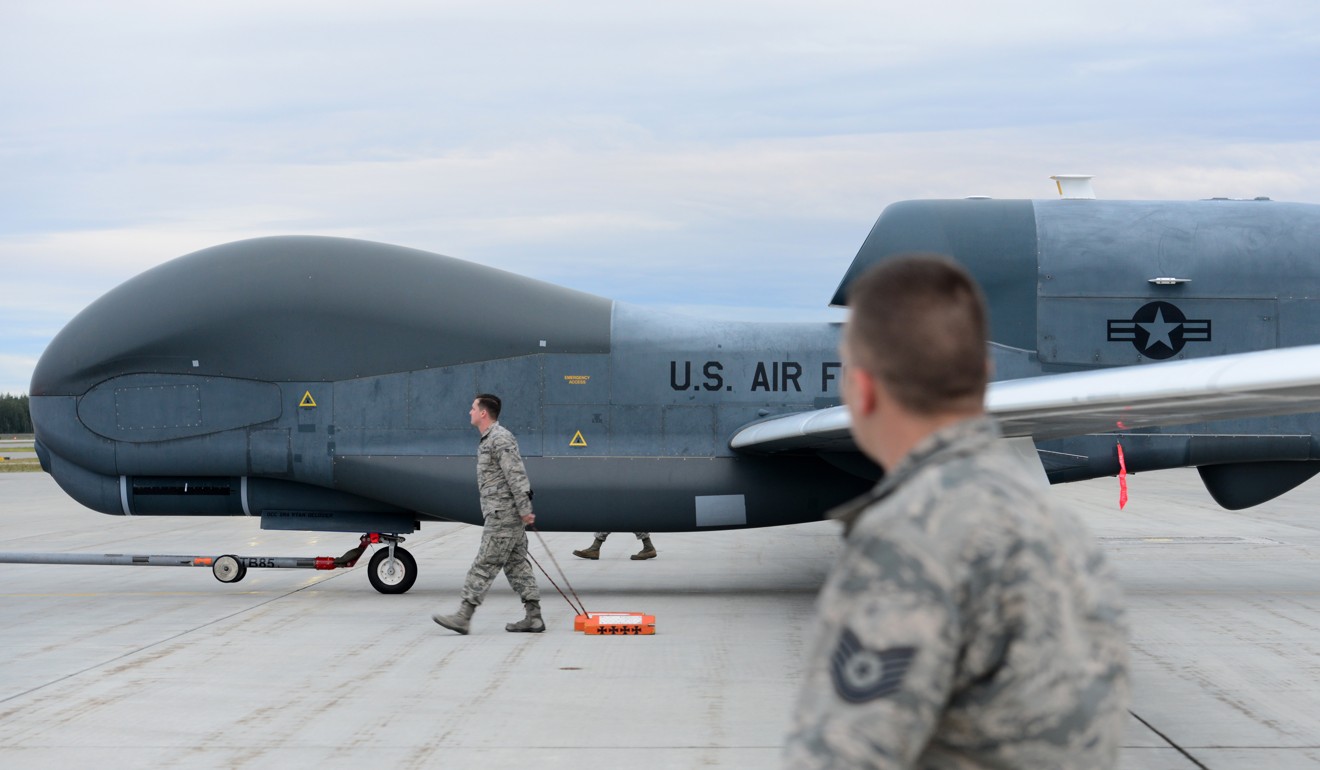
[(490, 403), (918, 324)]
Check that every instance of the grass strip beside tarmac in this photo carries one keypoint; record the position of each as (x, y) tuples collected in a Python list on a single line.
[(19, 455)]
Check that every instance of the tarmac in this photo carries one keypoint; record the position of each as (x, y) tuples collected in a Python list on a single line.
[(117, 666)]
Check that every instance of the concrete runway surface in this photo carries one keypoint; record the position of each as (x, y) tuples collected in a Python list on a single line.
[(113, 666)]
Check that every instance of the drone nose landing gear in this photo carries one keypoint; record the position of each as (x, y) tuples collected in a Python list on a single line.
[(391, 570)]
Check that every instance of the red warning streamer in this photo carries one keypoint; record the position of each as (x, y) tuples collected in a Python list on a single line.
[(1122, 478)]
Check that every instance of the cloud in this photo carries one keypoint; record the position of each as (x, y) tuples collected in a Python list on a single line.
[(724, 157), (15, 373)]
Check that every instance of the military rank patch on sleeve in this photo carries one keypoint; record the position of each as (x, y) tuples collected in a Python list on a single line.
[(861, 674)]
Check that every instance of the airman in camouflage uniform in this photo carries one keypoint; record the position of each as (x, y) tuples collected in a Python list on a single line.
[(969, 623), (506, 506)]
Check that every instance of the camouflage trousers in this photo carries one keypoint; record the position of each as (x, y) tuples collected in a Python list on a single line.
[(640, 535), (503, 547)]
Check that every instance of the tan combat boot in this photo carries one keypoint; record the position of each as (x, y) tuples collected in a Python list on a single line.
[(647, 552), (460, 621), (531, 624), (590, 553)]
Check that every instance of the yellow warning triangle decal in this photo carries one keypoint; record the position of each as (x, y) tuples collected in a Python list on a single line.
[(578, 440), (307, 400)]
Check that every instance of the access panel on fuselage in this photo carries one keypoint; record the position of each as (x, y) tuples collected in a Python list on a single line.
[(1128, 281), (576, 411)]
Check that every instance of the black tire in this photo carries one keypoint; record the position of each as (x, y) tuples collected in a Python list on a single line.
[(228, 569), (392, 579)]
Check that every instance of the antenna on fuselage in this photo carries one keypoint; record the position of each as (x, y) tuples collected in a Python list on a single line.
[(1075, 186)]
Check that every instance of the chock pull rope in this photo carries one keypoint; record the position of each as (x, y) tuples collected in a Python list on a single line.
[(579, 608), (533, 560)]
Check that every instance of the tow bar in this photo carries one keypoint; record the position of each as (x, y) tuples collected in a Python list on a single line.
[(391, 570)]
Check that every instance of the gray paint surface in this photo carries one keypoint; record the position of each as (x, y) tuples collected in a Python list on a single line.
[(315, 308), (995, 239), (349, 366)]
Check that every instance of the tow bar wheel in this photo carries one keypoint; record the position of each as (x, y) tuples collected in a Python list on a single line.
[(392, 576), (228, 569)]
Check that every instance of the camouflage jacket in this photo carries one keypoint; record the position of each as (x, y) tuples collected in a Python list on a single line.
[(501, 477), (967, 624)]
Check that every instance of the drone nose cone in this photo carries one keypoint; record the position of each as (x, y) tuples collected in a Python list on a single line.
[(142, 325), (303, 308)]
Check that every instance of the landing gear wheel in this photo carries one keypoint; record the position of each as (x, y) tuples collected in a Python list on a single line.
[(228, 569), (392, 576)]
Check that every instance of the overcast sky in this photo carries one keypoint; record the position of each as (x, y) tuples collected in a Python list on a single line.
[(723, 158)]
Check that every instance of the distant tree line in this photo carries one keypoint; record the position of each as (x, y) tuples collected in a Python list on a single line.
[(14, 415)]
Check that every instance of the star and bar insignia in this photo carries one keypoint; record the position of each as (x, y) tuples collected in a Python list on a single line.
[(1159, 330)]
